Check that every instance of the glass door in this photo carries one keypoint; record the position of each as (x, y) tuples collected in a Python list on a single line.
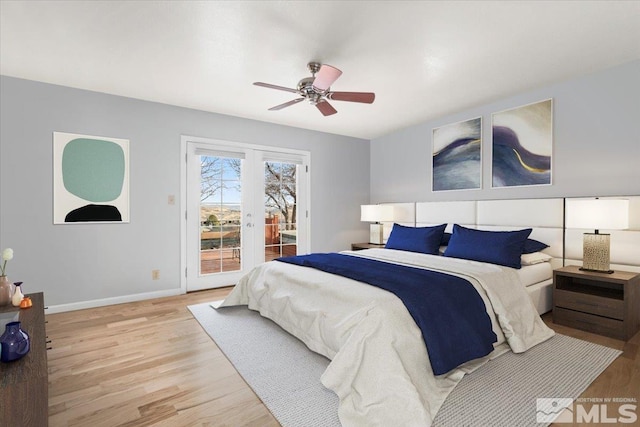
[(244, 206), (220, 214), (280, 209), (216, 204)]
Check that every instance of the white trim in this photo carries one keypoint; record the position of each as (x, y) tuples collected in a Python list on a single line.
[(61, 308), (183, 212), (241, 145)]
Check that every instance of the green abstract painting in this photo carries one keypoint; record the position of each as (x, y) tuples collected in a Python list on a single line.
[(91, 179)]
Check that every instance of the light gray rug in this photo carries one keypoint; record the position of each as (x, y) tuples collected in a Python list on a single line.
[(285, 374)]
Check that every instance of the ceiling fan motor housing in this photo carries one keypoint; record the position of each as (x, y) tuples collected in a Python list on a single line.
[(305, 88)]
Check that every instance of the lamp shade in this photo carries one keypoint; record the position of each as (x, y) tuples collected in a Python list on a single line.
[(598, 214), (326, 76), (376, 213)]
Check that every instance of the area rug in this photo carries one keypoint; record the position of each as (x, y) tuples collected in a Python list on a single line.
[(285, 374)]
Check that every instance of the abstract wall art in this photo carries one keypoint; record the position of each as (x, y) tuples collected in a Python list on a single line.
[(522, 144), (90, 179), (457, 156)]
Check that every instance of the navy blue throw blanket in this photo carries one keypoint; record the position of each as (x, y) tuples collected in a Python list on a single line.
[(448, 310)]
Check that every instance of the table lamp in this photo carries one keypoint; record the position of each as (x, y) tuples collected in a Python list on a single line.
[(598, 214), (376, 214)]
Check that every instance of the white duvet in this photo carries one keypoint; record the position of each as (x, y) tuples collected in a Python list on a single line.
[(379, 366)]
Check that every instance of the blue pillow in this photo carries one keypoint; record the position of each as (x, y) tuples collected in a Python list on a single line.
[(445, 239), (531, 246), (425, 240), (496, 247)]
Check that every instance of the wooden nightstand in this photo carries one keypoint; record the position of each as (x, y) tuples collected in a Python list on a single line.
[(361, 246), (606, 304)]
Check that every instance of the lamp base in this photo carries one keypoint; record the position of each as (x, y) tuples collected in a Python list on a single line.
[(595, 252), (376, 234), (597, 271)]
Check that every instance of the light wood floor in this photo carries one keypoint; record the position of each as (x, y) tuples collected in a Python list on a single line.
[(145, 363), (150, 363)]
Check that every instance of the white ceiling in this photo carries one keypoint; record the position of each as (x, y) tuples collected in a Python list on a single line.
[(422, 59)]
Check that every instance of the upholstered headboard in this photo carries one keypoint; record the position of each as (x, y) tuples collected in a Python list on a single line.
[(547, 219), (403, 213), (544, 216), (433, 213)]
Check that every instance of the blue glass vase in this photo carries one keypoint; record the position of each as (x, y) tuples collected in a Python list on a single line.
[(14, 343)]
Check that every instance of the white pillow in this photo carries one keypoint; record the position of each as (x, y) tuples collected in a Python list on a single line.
[(535, 258)]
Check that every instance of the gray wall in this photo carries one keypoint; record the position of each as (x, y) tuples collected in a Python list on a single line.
[(85, 262), (596, 144), (596, 152)]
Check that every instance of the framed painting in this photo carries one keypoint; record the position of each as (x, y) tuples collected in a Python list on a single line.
[(522, 145), (90, 179), (457, 156)]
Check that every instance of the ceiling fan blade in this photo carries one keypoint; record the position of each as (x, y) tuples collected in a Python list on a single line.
[(364, 97), (270, 86), (325, 108), (325, 77), (286, 104)]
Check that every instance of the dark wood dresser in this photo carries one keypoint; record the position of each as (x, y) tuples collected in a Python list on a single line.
[(24, 383)]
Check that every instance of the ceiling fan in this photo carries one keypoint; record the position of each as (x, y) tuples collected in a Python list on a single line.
[(316, 90)]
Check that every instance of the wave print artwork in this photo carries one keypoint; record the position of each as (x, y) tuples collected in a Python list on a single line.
[(514, 165), (522, 145), (456, 166), (457, 156)]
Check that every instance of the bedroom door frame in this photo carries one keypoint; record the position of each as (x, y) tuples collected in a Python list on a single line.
[(252, 218)]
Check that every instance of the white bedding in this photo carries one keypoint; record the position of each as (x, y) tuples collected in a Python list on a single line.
[(379, 364), (536, 273)]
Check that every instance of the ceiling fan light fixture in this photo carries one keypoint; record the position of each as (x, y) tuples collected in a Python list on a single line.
[(316, 90), (325, 78)]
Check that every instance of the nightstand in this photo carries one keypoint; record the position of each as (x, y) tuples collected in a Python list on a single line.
[(606, 304), (361, 246)]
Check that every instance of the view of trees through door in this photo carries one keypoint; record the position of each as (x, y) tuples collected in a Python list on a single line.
[(221, 212), (280, 209)]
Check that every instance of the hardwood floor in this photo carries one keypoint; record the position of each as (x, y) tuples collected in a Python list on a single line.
[(620, 380), (145, 363), (150, 363)]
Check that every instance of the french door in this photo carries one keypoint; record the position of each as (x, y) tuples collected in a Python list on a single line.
[(244, 205)]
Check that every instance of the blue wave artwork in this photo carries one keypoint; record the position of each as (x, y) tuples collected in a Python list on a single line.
[(514, 165), (456, 156), (456, 166), (522, 145)]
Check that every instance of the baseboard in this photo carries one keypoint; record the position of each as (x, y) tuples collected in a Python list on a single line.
[(60, 308)]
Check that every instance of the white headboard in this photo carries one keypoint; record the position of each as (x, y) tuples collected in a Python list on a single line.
[(404, 214), (545, 216), (434, 213)]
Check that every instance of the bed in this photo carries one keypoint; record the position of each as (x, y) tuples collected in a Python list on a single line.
[(380, 367), (544, 216)]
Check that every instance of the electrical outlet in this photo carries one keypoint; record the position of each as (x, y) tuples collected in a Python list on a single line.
[(155, 274)]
